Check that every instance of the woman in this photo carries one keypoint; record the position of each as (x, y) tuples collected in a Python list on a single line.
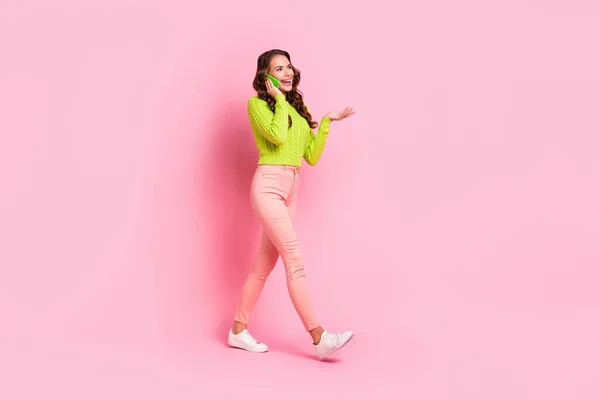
[(282, 127)]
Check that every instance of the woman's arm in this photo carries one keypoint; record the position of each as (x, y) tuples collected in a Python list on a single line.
[(272, 125), (316, 143)]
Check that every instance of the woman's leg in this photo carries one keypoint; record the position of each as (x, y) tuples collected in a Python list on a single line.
[(266, 179), (274, 202), (265, 262), (315, 330), (274, 195)]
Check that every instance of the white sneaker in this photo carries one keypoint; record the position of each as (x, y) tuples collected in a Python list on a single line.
[(331, 342), (244, 340)]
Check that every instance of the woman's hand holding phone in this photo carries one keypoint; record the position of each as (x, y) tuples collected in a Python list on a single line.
[(271, 89)]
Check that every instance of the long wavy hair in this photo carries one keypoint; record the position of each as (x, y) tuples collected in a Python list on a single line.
[(294, 96)]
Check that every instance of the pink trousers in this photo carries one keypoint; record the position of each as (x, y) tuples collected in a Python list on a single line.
[(274, 193)]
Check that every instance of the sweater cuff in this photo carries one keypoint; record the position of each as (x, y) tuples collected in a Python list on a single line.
[(280, 98), (324, 126)]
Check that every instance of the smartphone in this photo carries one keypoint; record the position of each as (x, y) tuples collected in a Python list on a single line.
[(274, 80)]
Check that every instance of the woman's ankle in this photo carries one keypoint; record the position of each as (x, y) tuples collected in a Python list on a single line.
[(238, 327), (316, 334)]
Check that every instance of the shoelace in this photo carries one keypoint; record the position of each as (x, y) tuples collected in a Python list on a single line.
[(249, 336), (332, 336)]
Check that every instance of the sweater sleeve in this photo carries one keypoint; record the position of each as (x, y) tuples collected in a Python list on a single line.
[(273, 126), (316, 143)]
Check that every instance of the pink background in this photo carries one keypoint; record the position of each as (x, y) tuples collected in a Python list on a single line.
[(453, 222)]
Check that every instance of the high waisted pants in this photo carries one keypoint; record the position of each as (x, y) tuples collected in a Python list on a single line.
[(274, 194)]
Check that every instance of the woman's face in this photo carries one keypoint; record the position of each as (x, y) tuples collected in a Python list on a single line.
[(281, 69)]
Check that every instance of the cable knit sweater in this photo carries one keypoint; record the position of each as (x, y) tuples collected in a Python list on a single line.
[(278, 144)]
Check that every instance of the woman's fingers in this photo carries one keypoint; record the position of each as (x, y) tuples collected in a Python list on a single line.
[(349, 111)]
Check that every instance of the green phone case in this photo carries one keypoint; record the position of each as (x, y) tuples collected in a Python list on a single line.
[(274, 80)]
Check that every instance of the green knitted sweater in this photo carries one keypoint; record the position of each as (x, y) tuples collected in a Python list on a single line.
[(278, 144)]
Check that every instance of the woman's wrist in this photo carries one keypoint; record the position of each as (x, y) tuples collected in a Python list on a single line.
[(324, 125)]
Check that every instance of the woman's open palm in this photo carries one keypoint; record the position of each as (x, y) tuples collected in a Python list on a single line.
[(340, 115)]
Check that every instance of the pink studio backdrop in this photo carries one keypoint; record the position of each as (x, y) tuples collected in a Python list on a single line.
[(453, 222)]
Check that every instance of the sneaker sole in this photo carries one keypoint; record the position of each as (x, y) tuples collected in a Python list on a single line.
[(336, 349), (245, 349)]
